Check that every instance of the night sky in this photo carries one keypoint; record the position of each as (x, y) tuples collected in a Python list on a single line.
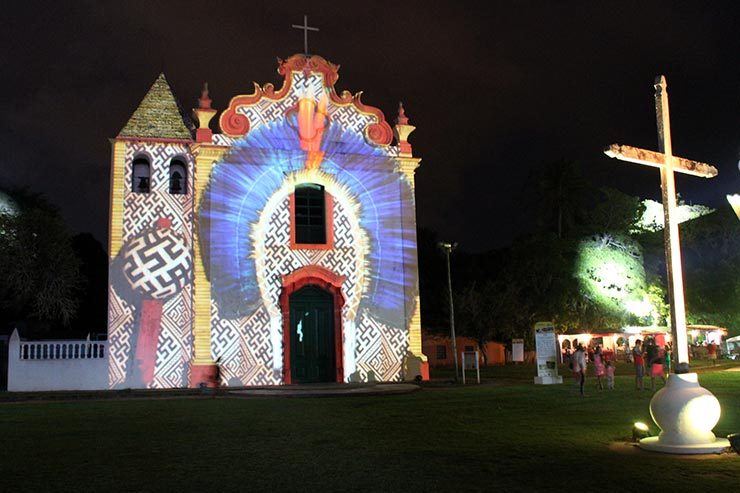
[(493, 93)]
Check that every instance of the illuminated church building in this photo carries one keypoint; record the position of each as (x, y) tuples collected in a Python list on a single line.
[(280, 250)]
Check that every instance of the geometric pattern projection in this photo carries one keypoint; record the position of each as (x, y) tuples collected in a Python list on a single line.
[(157, 264), (243, 349), (369, 252), (243, 345), (280, 259), (120, 327), (380, 349), (267, 110), (142, 210), (153, 264)]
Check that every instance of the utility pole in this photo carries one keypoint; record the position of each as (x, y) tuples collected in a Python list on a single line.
[(448, 248)]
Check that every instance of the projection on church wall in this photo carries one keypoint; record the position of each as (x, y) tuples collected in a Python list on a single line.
[(314, 285), (245, 220), (150, 314)]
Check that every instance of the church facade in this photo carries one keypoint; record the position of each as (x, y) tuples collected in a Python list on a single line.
[(280, 249)]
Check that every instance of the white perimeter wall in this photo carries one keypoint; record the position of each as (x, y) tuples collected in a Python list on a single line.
[(57, 365)]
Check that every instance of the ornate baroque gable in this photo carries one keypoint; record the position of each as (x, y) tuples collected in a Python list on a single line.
[(304, 76)]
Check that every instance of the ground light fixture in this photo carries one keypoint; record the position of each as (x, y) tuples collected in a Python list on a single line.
[(734, 442), (639, 431)]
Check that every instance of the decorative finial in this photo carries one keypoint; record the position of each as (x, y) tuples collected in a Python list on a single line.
[(402, 118), (402, 130), (203, 113), (204, 101)]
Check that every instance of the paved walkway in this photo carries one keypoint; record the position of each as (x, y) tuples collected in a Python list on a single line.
[(327, 390)]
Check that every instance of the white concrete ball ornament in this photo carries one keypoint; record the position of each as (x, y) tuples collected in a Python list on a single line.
[(686, 414)]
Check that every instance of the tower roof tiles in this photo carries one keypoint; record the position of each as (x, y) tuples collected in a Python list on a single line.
[(159, 115)]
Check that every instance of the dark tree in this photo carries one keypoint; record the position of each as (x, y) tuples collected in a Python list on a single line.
[(39, 269), (561, 191), (92, 315)]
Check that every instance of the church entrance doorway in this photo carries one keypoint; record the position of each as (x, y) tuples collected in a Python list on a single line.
[(312, 352), (311, 304)]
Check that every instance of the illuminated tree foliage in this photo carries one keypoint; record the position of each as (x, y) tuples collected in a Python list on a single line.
[(591, 265), (611, 274)]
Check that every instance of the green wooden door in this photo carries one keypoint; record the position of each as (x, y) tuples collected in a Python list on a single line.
[(312, 336)]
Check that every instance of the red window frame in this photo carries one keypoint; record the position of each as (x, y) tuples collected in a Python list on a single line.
[(328, 217)]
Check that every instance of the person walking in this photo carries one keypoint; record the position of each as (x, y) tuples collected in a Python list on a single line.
[(579, 365), (599, 366), (639, 361)]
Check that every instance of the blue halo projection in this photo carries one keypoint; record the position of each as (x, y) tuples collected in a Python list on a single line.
[(258, 165)]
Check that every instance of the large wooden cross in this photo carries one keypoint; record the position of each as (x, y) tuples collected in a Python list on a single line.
[(668, 163), (305, 29)]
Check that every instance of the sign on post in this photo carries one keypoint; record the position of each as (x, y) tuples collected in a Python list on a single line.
[(475, 363), (546, 346), (517, 350)]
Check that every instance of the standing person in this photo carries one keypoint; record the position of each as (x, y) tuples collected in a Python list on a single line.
[(609, 375), (712, 352), (656, 369), (667, 360), (579, 365), (627, 352), (639, 361), (599, 366), (574, 366)]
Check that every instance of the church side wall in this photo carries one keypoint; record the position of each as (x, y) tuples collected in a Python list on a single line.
[(150, 301)]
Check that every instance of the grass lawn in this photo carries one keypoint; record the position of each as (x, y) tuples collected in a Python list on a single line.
[(511, 435)]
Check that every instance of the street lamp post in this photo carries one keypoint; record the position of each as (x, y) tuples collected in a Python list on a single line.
[(448, 247)]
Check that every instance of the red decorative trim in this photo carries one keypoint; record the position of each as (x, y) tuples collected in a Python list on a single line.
[(324, 279), (328, 216), (380, 132), (234, 124), (314, 272)]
